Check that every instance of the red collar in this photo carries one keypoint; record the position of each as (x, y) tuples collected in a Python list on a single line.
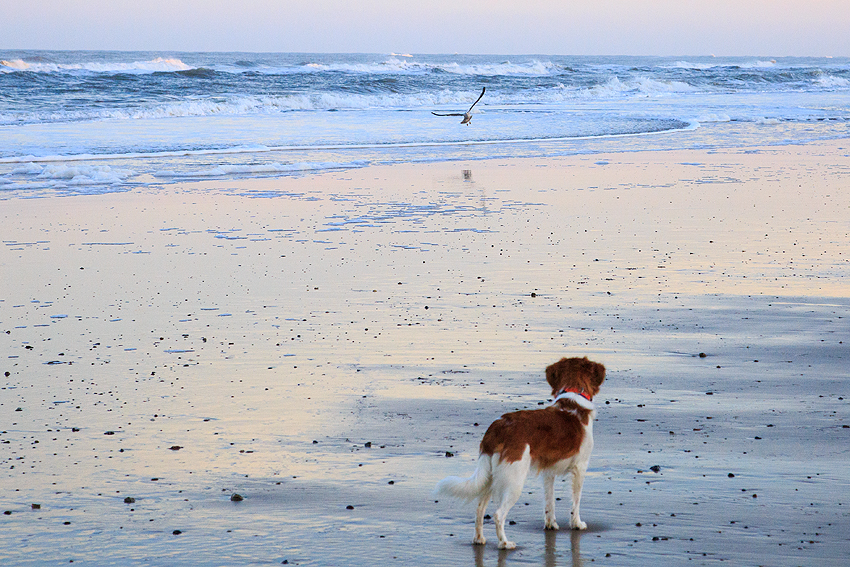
[(575, 391)]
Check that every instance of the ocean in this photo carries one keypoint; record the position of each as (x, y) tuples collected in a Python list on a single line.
[(81, 122)]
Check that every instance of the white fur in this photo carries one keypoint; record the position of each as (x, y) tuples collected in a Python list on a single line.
[(503, 483), (577, 398)]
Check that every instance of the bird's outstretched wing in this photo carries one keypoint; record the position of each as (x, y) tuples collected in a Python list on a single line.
[(467, 116), (476, 101)]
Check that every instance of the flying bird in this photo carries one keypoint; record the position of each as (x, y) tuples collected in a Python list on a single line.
[(467, 116)]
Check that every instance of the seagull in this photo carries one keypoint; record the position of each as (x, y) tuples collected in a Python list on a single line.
[(467, 116)]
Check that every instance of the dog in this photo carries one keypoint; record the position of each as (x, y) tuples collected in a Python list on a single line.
[(553, 441)]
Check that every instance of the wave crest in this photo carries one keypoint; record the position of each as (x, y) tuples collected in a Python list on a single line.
[(156, 65)]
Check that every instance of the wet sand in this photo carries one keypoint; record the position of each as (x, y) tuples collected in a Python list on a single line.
[(329, 347)]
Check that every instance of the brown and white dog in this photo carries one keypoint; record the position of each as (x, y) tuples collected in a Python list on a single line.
[(554, 441)]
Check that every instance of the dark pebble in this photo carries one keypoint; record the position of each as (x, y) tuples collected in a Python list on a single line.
[(702, 355), (391, 482), (655, 468), (449, 454), (175, 447), (368, 444), (109, 433), (731, 475), (512, 523), (349, 507), (36, 506), (176, 532), (236, 498), (129, 500)]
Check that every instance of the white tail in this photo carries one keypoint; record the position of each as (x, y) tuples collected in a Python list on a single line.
[(472, 488)]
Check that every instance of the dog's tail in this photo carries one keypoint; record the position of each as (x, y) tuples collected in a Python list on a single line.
[(471, 488)]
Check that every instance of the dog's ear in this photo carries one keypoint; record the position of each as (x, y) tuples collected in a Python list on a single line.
[(553, 375), (598, 375)]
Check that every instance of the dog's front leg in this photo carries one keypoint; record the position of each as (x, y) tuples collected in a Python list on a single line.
[(578, 480), (549, 502)]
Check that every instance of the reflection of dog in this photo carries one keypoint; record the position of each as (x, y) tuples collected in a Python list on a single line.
[(555, 441)]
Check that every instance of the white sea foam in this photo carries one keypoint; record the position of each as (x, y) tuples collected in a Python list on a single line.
[(67, 175), (394, 65), (713, 117), (159, 64), (832, 82), (253, 169), (644, 86)]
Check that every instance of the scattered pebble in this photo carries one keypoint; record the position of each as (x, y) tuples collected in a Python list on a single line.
[(236, 498)]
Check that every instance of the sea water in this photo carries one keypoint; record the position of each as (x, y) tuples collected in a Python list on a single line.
[(90, 122)]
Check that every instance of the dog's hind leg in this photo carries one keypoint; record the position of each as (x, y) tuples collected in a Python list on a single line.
[(549, 502), (578, 480), (479, 538), (508, 480)]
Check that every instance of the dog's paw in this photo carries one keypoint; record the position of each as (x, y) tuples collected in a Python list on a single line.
[(579, 525), (479, 540), (551, 524), (507, 545)]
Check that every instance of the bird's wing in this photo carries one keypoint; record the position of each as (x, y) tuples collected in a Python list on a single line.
[(479, 98), (451, 114)]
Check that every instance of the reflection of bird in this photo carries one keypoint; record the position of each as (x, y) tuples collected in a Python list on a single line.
[(467, 116)]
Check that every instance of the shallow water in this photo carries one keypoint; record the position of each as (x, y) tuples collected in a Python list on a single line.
[(92, 122)]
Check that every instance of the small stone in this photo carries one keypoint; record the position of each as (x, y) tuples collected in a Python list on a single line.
[(391, 482), (368, 444), (236, 498), (731, 475), (349, 507), (129, 500), (36, 506), (176, 532), (449, 454), (175, 447), (109, 433), (655, 468), (702, 355)]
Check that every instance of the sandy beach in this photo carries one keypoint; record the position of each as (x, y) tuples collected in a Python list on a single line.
[(328, 347)]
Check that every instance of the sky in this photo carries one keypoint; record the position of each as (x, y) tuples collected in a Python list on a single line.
[(561, 27)]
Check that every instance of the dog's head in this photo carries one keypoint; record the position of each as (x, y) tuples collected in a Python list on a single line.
[(576, 373)]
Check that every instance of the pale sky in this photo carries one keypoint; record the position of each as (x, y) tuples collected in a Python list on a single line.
[(564, 27)]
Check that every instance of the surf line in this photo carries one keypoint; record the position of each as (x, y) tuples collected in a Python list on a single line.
[(324, 147)]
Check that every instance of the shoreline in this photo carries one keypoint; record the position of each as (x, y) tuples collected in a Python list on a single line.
[(272, 328)]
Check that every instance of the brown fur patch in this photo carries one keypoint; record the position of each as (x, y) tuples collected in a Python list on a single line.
[(554, 433)]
